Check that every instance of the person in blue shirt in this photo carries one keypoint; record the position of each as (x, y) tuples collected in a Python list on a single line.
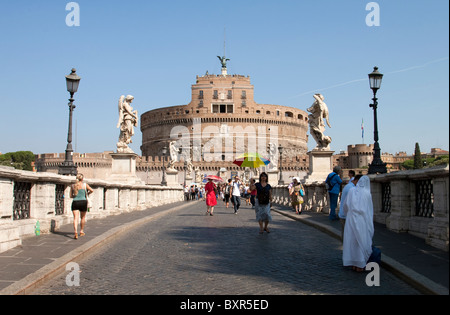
[(334, 187)]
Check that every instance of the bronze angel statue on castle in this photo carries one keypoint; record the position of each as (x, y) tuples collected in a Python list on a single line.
[(127, 120)]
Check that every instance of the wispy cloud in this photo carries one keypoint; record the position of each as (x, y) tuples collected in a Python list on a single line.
[(419, 66), (365, 79)]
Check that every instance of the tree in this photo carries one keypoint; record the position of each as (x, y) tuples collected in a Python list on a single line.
[(20, 160), (417, 157)]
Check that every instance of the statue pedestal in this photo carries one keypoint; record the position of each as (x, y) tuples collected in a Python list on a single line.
[(172, 178), (273, 177), (124, 168), (320, 165)]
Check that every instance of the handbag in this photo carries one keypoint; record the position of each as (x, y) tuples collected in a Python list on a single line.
[(302, 193), (89, 203)]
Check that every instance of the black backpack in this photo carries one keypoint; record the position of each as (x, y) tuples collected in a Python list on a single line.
[(263, 194)]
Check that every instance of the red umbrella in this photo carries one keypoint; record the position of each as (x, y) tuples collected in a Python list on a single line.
[(214, 178)]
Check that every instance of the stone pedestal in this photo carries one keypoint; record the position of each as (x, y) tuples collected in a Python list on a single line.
[(172, 178), (124, 168), (273, 177), (320, 165)]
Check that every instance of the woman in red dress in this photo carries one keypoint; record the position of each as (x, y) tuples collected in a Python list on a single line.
[(211, 201)]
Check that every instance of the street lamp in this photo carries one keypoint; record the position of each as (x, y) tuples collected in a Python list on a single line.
[(68, 167), (377, 165), (281, 181), (164, 181)]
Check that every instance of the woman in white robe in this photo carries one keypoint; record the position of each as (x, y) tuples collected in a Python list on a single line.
[(358, 232)]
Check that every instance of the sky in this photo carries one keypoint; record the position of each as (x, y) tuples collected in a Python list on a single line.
[(291, 49)]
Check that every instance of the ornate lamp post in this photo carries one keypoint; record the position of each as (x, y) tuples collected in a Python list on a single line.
[(164, 180), (68, 167), (377, 165), (281, 181)]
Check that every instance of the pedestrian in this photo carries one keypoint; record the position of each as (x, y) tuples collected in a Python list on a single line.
[(263, 202), (235, 192), (211, 200), (296, 192), (186, 193), (196, 192), (247, 194), (351, 184), (359, 229), (227, 193), (192, 192), (79, 192), (252, 193), (333, 184)]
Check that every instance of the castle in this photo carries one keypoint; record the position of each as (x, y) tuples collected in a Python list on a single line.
[(221, 121)]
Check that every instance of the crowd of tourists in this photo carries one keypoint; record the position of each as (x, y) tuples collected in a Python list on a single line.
[(355, 214)]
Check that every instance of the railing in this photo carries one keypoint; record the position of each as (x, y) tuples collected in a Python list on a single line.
[(21, 209), (415, 202), (27, 197)]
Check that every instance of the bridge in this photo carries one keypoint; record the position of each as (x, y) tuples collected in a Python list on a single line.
[(415, 202)]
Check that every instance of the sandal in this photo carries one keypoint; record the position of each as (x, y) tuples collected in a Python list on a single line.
[(267, 230), (75, 237), (82, 234)]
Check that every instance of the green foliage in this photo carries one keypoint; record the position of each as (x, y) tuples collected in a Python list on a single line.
[(418, 163), (20, 160), (440, 160), (408, 164), (428, 162)]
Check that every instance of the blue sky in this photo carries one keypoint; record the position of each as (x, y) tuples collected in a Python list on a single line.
[(153, 50)]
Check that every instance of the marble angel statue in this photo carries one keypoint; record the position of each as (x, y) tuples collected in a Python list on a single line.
[(128, 119)]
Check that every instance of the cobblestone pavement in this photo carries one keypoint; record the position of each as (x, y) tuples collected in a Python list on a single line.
[(189, 253)]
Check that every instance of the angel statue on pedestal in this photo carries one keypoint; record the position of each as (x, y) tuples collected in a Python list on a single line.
[(319, 113), (127, 119)]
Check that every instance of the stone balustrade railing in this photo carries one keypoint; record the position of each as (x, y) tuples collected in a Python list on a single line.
[(28, 197), (415, 201)]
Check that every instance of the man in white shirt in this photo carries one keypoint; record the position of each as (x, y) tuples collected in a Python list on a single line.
[(236, 193)]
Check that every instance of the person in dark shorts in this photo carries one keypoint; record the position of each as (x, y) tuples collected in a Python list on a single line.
[(79, 191)]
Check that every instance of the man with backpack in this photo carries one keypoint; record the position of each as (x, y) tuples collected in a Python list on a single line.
[(333, 185)]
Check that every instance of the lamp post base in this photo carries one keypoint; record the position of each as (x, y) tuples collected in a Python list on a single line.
[(68, 168), (377, 167)]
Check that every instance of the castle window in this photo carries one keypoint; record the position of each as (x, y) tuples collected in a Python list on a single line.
[(200, 95), (230, 95), (216, 94), (289, 114), (244, 95), (268, 112), (222, 108)]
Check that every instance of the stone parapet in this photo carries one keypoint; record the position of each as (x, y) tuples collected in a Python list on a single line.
[(414, 201), (28, 197)]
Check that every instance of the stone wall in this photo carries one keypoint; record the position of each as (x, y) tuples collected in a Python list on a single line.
[(415, 202)]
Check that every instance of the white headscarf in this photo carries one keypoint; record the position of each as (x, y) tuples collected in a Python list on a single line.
[(358, 232)]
